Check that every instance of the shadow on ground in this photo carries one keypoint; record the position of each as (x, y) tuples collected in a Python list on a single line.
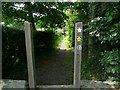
[(55, 68)]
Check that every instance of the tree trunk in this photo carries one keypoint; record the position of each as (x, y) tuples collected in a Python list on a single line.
[(31, 18), (33, 24), (90, 41)]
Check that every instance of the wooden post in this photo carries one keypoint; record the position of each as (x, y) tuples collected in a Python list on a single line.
[(0, 41), (77, 54), (30, 55)]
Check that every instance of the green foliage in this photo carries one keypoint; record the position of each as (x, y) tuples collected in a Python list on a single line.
[(45, 40), (117, 85), (110, 62), (70, 26), (101, 33), (92, 68), (14, 51), (103, 28), (42, 14)]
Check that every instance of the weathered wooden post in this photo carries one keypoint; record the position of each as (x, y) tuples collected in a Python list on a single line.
[(0, 52), (30, 55), (77, 54)]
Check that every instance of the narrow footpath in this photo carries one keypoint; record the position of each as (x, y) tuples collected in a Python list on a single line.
[(55, 68)]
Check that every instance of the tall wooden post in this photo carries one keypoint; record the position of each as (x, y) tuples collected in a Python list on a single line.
[(77, 54), (0, 41), (30, 55)]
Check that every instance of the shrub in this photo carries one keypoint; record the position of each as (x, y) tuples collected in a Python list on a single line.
[(110, 61), (14, 51)]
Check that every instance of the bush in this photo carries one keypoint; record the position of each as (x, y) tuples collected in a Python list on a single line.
[(111, 63), (103, 62), (14, 51), (45, 40)]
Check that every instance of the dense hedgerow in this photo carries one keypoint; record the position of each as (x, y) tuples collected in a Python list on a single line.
[(14, 49)]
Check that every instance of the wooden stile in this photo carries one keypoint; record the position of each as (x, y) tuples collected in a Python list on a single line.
[(31, 62)]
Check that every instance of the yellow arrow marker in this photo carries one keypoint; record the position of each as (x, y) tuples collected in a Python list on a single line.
[(78, 39)]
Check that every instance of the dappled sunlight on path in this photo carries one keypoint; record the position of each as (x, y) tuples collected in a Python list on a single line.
[(62, 45)]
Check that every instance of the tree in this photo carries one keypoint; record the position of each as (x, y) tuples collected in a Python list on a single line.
[(101, 36), (45, 14)]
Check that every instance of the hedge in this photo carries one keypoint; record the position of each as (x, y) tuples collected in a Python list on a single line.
[(14, 50)]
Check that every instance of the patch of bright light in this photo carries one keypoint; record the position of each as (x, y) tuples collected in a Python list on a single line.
[(40, 29), (92, 32), (115, 34), (36, 14), (98, 18), (54, 7), (92, 20), (70, 0), (73, 0), (98, 35), (10, 25), (63, 46), (2, 23), (32, 2), (19, 5)]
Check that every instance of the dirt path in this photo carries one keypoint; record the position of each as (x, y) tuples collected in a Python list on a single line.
[(55, 68)]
